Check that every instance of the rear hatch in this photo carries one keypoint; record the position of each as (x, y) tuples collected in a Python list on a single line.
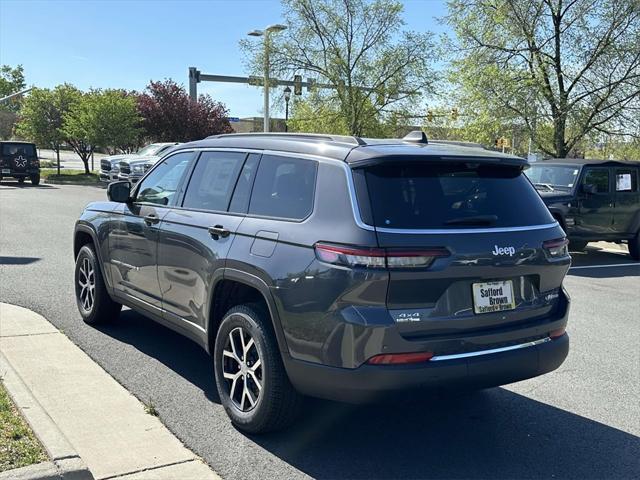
[(18, 157), (478, 250)]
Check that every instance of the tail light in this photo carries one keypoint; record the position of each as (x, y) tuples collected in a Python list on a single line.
[(557, 333), (558, 247), (400, 358), (34, 163), (378, 257)]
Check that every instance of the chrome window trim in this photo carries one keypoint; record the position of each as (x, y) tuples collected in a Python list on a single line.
[(457, 356), (352, 196)]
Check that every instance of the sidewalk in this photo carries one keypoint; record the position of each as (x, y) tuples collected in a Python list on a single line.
[(98, 422)]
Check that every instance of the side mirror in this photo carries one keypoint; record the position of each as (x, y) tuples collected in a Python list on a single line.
[(589, 188), (119, 192)]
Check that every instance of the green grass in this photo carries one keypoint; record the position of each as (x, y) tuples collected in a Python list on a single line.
[(69, 176), (150, 408), (19, 447)]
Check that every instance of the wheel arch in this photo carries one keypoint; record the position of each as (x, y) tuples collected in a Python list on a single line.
[(85, 234), (236, 287)]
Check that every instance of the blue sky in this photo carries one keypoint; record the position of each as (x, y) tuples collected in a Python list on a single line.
[(124, 44)]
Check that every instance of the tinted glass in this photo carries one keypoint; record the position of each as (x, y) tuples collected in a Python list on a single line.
[(161, 185), (421, 196), (15, 149), (242, 192), (598, 177), (553, 177), (626, 180), (213, 180), (284, 187)]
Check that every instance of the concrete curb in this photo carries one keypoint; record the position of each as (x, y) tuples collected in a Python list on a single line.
[(65, 462)]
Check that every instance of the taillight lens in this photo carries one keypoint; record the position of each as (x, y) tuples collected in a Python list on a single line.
[(35, 163), (557, 333), (378, 257), (558, 247), (400, 358)]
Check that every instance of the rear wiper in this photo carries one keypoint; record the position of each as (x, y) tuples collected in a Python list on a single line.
[(477, 220), (544, 185)]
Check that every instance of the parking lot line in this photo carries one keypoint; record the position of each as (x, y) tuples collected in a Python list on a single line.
[(605, 266)]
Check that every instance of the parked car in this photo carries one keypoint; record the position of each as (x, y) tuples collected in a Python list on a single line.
[(132, 170), (334, 267), (110, 166), (20, 161), (593, 200)]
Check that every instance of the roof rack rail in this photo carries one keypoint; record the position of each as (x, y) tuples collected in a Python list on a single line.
[(352, 140)]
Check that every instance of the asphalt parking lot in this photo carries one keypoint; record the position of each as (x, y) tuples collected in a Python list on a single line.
[(581, 421)]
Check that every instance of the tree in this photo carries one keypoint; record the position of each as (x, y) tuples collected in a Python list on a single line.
[(42, 116), (169, 115), (562, 69), (106, 118), (359, 48), (11, 81)]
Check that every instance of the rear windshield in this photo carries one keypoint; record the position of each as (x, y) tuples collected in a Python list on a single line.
[(14, 149), (458, 195)]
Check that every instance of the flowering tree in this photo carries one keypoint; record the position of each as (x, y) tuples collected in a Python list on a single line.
[(169, 115)]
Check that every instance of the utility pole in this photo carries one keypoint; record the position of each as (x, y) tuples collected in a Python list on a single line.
[(266, 33)]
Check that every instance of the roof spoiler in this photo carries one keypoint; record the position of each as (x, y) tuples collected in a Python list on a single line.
[(417, 136)]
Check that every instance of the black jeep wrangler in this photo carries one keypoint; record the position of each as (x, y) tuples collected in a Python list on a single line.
[(593, 200), (19, 160)]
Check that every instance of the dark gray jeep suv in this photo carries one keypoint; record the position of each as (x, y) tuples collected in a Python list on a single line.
[(335, 267)]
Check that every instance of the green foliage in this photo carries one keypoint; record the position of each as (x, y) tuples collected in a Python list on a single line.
[(359, 49), (11, 81), (105, 118), (560, 71)]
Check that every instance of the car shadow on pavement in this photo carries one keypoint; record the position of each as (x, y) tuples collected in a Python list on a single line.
[(18, 260), (163, 345), (594, 262), (489, 434), (7, 185)]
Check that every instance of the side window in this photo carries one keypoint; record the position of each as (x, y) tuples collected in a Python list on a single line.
[(161, 185), (242, 192), (598, 177), (213, 180), (284, 187), (626, 180)]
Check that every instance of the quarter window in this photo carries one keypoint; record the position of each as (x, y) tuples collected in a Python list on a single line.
[(161, 185), (284, 187), (213, 181), (598, 177)]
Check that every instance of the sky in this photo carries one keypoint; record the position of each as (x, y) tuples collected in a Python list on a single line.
[(125, 44)]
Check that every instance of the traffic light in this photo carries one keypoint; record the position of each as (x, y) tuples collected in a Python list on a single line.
[(297, 84), (454, 114), (429, 116)]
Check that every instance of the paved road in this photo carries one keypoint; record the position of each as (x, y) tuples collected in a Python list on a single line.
[(69, 159), (582, 421)]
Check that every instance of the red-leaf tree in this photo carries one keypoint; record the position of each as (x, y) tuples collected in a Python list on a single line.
[(169, 115)]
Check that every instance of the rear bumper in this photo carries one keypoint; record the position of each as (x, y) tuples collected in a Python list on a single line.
[(19, 174), (373, 382)]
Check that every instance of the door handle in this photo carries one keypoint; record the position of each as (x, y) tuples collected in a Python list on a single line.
[(218, 231), (151, 219)]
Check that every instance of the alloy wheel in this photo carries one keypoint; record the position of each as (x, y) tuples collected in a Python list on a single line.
[(87, 284), (242, 369)]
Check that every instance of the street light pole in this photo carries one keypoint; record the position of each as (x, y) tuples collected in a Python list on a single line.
[(266, 34), (287, 97)]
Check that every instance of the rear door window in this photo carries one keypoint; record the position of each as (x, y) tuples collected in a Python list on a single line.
[(213, 181), (457, 195), (284, 187)]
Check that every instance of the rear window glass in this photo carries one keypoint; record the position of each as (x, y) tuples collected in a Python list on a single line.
[(14, 149), (421, 196)]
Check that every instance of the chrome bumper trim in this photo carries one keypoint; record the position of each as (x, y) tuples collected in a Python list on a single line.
[(456, 356)]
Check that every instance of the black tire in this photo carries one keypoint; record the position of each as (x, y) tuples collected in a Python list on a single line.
[(277, 403), (35, 180), (577, 245), (634, 247), (101, 308), (20, 179)]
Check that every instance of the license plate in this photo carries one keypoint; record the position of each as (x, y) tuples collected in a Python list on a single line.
[(491, 297), (6, 170)]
